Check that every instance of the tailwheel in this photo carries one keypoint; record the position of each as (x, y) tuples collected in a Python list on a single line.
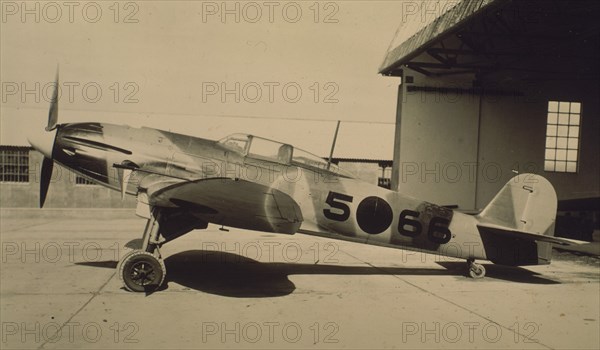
[(141, 271), (475, 270)]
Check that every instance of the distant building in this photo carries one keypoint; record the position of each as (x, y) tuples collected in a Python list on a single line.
[(375, 171), (20, 185)]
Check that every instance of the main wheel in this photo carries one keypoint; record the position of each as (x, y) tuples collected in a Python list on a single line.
[(124, 257), (141, 271), (476, 270)]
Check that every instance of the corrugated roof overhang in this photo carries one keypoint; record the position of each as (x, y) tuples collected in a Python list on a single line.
[(489, 36)]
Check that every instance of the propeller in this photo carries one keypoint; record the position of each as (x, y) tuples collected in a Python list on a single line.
[(46, 176), (53, 113), (43, 141)]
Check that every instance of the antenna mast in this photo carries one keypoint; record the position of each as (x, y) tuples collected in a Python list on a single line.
[(337, 128)]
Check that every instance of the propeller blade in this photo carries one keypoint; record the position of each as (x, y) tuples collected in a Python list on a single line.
[(124, 176), (53, 113), (125, 170), (46, 176)]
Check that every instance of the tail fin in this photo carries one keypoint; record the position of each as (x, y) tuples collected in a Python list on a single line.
[(526, 203), (517, 227)]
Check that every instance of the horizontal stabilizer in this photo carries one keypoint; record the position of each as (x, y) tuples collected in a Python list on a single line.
[(501, 231)]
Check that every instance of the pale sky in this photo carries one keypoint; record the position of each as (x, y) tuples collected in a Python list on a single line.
[(295, 68)]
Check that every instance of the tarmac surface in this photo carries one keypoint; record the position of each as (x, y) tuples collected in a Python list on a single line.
[(244, 289)]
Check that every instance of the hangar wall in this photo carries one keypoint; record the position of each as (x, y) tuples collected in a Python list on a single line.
[(513, 130), (445, 127)]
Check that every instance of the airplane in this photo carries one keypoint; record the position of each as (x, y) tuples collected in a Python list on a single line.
[(183, 183)]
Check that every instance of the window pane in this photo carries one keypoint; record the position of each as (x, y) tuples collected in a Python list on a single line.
[(561, 166), (574, 119), (551, 142), (82, 181), (553, 106), (552, 118), (563, 119), (571, 167), (561, 142), (563, 130), (561, 154), (551, 131), (549, 165), (264, 148), (572, 155), (564, 107), (14, 165), (236, 142), (239, 145), (574, 131), (575, 107), (550, 154), (573, 143)]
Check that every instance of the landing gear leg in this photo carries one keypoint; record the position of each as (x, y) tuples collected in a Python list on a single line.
[(475, 270), (143, 270)]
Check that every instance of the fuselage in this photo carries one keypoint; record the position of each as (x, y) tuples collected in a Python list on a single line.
[(332, 204)]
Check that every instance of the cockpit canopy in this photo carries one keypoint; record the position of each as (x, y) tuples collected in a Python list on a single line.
[(265, 149)]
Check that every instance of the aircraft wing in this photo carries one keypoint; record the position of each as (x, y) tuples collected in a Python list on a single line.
[(501, 231), (230, 202)]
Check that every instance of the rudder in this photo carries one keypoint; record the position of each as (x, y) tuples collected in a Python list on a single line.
[(524, 207), (526, 203)]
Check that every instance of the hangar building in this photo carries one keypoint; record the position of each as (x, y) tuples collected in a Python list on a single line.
[(494, 87)]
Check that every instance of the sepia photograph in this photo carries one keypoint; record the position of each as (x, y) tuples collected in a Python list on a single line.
[(308, 174)]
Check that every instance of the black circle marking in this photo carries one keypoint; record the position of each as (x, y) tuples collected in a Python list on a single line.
[(374, 215)]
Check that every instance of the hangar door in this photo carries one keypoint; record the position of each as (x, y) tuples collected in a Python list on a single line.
[(437, 140)]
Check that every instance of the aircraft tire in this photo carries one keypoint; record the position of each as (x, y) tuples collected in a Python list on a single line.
[(121, 259), (141, 271), (476, 271)]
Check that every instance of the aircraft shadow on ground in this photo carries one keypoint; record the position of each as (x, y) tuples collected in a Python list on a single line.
[(234, 275), (505, 273)]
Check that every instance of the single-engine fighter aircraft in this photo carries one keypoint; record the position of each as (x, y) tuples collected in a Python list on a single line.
[(182, 183)]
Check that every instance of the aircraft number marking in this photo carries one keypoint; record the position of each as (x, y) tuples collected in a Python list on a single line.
[(406, 220), (438, 231), (331, 200), (374, 215)]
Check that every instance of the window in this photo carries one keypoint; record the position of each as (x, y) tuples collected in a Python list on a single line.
[(14, 164), (385, 180), (562, 136), (270, 150), (236, 142), (80, 180), (260, 148)]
